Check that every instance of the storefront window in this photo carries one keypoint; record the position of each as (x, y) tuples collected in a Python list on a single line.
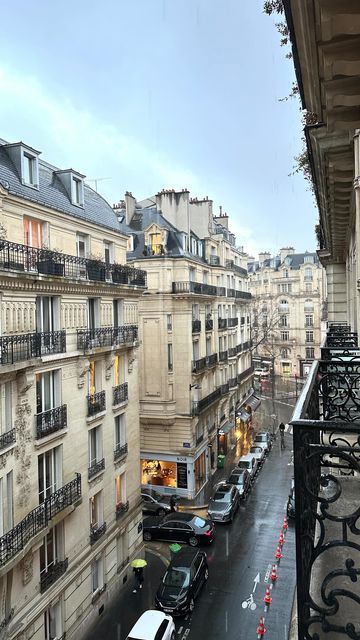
[(161, 473)]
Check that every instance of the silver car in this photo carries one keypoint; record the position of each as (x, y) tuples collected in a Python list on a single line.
[(224, 503), (259, 454), (154, 502)]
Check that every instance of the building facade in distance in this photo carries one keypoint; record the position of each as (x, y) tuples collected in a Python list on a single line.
[(287, 310)]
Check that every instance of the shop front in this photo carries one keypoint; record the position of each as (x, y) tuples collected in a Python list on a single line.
[(182, 475)]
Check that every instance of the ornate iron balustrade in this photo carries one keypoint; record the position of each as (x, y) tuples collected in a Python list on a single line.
[(194, 287), (214, 260), (245, 374), (95, 468), (120, 393), (233, 382), (200, 405), (338, 328), (326, 427), (196, 326), (246, 345), (7, 438), (53, 574), (20, 257), (222, 323), (198, 365), (224, 388), (96, 403), (232, 352), (239, 348), (230, 293), (26, 346), (154, 250), (243, 295), (12, 542), (120, 451), (342, 341), (199, 439), (220, 291), (211, 361), (209, 325), (233, 322), (121, 508), (96, 532), (223, 356), (51, 421), (230, 264), (106, 337)]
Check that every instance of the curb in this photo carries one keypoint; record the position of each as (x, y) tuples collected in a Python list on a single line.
[(159, 555)]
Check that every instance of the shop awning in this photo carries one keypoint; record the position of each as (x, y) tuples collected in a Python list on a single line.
[(254, 402), (244, 415), (226, 428)]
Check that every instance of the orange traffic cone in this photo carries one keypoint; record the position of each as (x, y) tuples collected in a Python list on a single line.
[(281, 540), (278, 554), (261, 627), (268, 598), (285, 525), (273, 574)]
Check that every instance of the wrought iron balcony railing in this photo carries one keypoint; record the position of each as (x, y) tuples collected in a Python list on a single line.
[(223, 356), (120, 451), (222, 323), (199, 439), (7, 438), (220, 291), (96, 403), (120, 393), (12, 542), (232, 352), (194, 287), (211, 427), (26, 346), (245, 374), (200, 405), (230, 293), (239, 348), (230, 264), (96, 532), (106, 337), (209, 325), (20, 257), (211, 361), (326, 428), (233, 322), (246, 345), (154, 250), (214, 260), (243, 295), (95, 468), (342, 341), (198, 365), (51, 421), (53, 574), (121, 508), (224, 388), (196, 326), (233, 382)]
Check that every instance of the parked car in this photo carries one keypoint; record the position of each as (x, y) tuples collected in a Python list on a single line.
[(182, 582), (224, 503), (264, 440), (179, 527), (259, 454), (241, 479), (153, 625), (290, 507), (155, 503), (249, 463)]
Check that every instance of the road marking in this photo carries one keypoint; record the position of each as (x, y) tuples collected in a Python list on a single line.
[(256, 582), (227, 543), (180, 630), (226, 621), (186, 633), (267, 574), (285, 632)]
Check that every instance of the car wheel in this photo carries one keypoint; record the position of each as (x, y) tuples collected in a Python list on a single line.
[(147, 536), (206, 574), (191, 605), (193, 541), (161, 512)]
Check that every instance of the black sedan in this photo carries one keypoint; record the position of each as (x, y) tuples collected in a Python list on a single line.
[(182, 582), (241, 479), (224, 503), (179, 527)]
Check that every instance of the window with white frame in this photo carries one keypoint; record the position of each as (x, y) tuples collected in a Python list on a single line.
[(6, 503), (169, 322), (283, 321), (77, 191), (97, 574), (48, 390), (96, 504), (308, 287), (51, 550), (95, 446), (284, 335), (309, 336), (120, 431), (309, 320), (308, 274), (47, 315), (170, 356), (6, 401), (309, 259), (108, 252), (120, 489), (30, 169), (310, 353), (53, 622), (49, 472)]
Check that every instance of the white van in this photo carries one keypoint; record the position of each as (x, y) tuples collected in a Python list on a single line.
[(153, 625), (249, 463)]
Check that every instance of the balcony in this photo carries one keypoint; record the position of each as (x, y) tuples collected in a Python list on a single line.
[(96, 532), (326, 428), (194, 287), (53, 574), (230, 264), (233, 322), (239, 348), (246, 345), (19, 257), (200, 405), (230, 293), (196, 326), (96, 468), (232, 352), (120, 393), (233, 382), (209, 325), (214, 260), (224, 389), (198, 365), (223, 356), (211, 427), (51, 421), (121, 509), (8, 438), (38, 519), (222, 323), (211, 361), (88, 339), (199, 439), (120, 451), (22, 347), (243, 295), (244, 374), (220, 291), (154, 250), (96, 403)]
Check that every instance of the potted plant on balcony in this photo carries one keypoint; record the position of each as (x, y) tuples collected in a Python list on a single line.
[(49, 262), (96, 268), (120, 274)]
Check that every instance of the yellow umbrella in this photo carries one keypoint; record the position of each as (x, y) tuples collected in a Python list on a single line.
[(138, 563)]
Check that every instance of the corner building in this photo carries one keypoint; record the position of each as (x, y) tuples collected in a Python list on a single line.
[(70, 511), (194, 326)]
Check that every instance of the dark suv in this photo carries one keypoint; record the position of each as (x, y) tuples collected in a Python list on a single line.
[(182, 582)]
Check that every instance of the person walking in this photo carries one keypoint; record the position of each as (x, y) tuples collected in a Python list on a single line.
[(282, 435), (139, 577), (172, 503)]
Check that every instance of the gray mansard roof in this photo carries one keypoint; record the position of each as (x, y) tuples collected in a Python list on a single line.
[(51, 193), (293, 261), (142, 219)]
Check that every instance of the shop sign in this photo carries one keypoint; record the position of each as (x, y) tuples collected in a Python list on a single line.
[(186, 445), (182, 475)]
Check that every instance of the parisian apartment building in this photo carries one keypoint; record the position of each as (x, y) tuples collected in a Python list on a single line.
[(288, 311), (70, 509), (195, 368)]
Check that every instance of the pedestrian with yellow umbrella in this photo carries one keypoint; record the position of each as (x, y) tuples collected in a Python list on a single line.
[(138, 568)]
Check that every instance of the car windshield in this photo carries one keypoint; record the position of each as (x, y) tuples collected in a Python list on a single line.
[(260, 439), (244, 464), (255, 450), (199, 522), (222, 496), (177, 577), (236, 479)]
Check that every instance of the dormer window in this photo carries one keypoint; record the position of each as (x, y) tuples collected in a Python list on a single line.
[(77, 192), (74, 185), (30, 172)]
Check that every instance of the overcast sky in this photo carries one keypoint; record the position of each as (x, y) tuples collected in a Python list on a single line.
[(152, 94)]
